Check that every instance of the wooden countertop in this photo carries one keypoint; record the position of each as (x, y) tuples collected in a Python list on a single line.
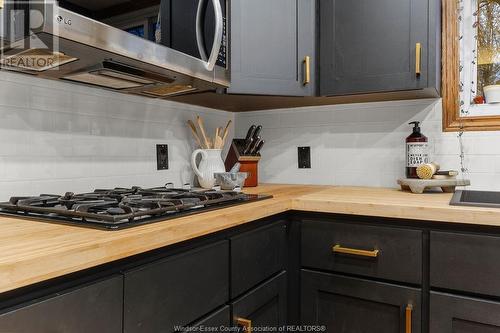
[(32, 252)]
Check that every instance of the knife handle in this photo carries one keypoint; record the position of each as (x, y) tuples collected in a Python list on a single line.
[(255, 146), (250, 132), (259, 147), (246, 150), (257, 132)]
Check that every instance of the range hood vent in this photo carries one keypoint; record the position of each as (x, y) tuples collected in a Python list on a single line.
[(172, 90), (118, 76)]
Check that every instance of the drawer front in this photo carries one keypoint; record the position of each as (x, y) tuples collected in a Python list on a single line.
[(178, 290), (345, 304), (458, 314), (256, 256), (215, 320), (399, 256), (93, 308), (465, 262), (263, 306)]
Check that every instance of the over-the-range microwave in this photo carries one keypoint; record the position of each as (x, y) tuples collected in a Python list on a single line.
[(156, 48)]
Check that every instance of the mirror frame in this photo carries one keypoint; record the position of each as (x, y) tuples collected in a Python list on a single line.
[(450, 78)]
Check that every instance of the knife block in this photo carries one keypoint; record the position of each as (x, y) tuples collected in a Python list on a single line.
[(249, 163)]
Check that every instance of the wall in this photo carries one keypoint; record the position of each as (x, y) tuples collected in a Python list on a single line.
[(363, 144), (57, 137)]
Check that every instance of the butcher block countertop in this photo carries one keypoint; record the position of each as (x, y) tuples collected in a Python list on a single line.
[(32, 252)]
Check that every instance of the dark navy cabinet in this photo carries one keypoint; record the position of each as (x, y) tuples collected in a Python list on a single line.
[(273, 47), (347, 304), (256, 255), (350, 274), (462, 314), (370, 46), (95, 307), (176, 291), (264, 306)]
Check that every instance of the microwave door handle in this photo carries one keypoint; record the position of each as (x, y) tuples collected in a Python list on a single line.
[(219, 26), (200, 40)]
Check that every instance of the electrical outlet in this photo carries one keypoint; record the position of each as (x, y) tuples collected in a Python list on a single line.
[(304, 157), (162, 157)]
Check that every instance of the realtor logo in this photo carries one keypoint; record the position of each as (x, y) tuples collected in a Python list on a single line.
[(21, 47)]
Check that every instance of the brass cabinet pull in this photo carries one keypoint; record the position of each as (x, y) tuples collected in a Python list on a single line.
[(363, 253), (245, 323), (307, 70), (408, 312), (418, 59)]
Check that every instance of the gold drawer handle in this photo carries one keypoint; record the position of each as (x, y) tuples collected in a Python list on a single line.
[(356, 252), (409, 310), (418, 59), (245, 323)]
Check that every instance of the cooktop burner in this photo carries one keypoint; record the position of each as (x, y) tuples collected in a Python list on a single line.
[(123, 207)]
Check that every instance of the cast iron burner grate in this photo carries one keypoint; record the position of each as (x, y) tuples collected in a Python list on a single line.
[(123, 207)]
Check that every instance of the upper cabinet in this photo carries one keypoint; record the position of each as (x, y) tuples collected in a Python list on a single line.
[(378, 45), (273, 47)]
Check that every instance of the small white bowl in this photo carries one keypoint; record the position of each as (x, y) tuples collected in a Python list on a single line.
[(492, 94), (229, 181)]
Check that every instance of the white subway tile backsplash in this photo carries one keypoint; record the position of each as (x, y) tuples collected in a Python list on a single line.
[(364, 144), (57, 137)]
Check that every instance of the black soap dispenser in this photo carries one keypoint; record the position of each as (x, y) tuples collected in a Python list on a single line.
[(417, 150)]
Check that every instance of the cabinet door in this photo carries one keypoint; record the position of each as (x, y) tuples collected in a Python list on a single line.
[(256, 256), (345, 304), (93, 308), (474, 256), (264, 306), (370, 45), (178, 290), (457, 314), (269, 42)]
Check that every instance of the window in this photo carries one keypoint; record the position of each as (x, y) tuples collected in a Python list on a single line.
[(488, 47), (479, 57), (471, 65)]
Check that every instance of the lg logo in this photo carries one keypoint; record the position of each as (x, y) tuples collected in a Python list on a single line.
[(61, 19)]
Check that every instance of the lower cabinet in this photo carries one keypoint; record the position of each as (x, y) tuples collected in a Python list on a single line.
[(459, 314), (346, 305), (264, 307), (257, 255), (92, 308), (177, 290)]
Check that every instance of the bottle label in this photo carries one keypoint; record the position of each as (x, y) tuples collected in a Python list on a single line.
[(417, 153)]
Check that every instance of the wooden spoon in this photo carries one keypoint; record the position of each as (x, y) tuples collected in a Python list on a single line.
[(195, 133), (202, 130)]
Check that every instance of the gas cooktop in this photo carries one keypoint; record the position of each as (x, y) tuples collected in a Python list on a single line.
[(120, 208)]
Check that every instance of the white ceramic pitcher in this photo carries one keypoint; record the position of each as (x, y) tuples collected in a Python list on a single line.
[(211, 162)]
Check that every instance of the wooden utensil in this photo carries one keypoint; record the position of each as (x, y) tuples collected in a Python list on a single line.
[(226, 132), (195, 134), (203, 133), (217, 139)]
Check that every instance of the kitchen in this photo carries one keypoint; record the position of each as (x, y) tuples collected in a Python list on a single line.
[(333, 84)]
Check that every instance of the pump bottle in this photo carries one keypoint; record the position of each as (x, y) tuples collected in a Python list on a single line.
[(417, 150)]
